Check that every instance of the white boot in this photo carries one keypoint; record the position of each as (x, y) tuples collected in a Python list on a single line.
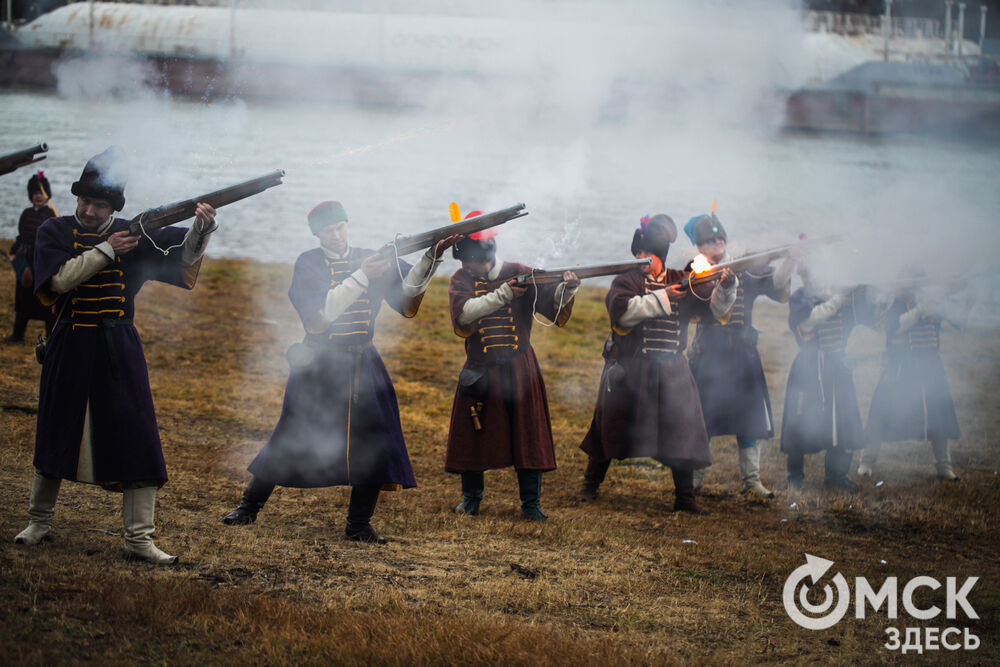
[(41, 507), (750, 470), (942, 458), (137, 515), (868, 457), (699, 479)]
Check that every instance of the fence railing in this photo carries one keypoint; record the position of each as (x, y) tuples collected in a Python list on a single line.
[(862, 24)]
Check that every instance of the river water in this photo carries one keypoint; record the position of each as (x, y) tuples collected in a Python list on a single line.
[(586, 175)]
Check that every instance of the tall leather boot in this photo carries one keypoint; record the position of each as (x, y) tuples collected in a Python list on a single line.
[(138, 506), (359, 514), (472, 492), (942, 459), (593, 476), (41, 507), (684, 492), (869, 455), (796, 470), (750, 471), (837, 465), (254, 497), (529, 483)]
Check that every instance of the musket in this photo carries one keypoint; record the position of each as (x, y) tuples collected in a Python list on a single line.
[(552, 276), (18, 159), (161, 216), (749, 261), (404, 245)]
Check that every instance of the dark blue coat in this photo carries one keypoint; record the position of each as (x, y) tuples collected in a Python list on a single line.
[(339, 422), (95, 358), (821, 407), (727, 367), (912, 400)]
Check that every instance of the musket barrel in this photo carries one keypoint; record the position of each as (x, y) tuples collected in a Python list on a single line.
[(161, 216), (543, 277), (18, 159), (404, 245)]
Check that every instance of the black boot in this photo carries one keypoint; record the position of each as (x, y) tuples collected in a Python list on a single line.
[(837, 464), (472, 492), (359, 514), (684, 492), (593, 476), (796, 470), (254, 497), (20, 326), (529, 483)]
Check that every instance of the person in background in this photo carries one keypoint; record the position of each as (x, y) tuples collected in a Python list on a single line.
[(96, 422), (912, 400), (339, 423), (26, 305), (821, 408), (500, 414), (647, 401), (724, 358)]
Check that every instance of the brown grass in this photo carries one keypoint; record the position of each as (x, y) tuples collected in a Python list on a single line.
[(614, 582)]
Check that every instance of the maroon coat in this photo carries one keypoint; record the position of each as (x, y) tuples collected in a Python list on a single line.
[(514, 409), (25, 303), (647, 403)]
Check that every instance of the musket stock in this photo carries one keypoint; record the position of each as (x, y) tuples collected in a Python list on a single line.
[(404, 245), (18, 159), (161, 216)]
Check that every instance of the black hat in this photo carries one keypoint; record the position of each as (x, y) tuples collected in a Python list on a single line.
[(702, 228), (38, 183), (654, 235), (478, 246), (104, 178)]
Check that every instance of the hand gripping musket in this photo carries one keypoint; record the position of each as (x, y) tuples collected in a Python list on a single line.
[(404, 245), (18, 159), (746, 262), (161, 216), (553, 276)]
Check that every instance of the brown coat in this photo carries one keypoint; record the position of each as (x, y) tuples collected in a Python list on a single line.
[(512, 406), (653, 410)]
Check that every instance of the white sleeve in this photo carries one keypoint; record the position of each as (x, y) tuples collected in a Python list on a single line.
[(81, 268), (195, 242), (910, 317), (481, 306), (420, 274), (343, 295), (823, 312), (723, 299), (645, 307)]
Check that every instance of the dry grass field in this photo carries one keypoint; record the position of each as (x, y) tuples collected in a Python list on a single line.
[(622, 580)]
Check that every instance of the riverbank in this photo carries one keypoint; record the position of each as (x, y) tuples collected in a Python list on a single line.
[(621, 580)]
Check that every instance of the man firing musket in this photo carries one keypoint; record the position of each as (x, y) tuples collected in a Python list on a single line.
[(96, 422), (724, 357), (339, 423), (912, 400), (647, 402), (500, 415), (18, 159)]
